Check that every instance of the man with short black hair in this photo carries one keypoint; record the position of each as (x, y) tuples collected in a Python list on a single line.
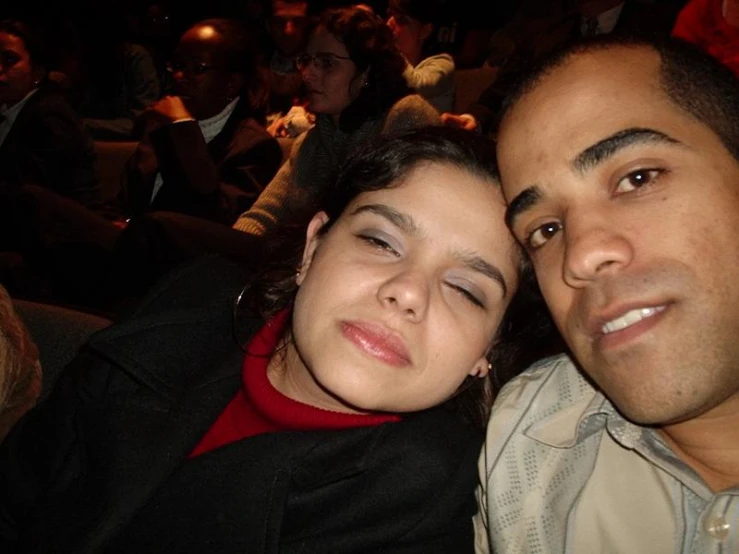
[(619, 160)]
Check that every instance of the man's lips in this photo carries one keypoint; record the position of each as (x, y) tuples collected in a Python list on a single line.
[(619, 326), (378, 342), (630, 318)]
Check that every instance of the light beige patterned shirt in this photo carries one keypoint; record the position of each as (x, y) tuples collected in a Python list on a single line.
[(562, 472)]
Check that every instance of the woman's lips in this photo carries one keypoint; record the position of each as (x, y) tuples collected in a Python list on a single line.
[(378, 342)]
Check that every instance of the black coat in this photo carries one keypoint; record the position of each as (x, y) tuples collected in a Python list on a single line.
[(99, 466), (217, 181), (48, 146)]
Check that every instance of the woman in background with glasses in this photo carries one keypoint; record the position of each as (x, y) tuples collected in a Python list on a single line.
[(205, 151), (353, 75)]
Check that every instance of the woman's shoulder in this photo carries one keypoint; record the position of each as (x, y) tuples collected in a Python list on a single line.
[(205, 283), (437, 436), (441, 61)]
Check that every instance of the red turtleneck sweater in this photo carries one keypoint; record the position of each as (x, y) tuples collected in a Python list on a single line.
[(260, 408)]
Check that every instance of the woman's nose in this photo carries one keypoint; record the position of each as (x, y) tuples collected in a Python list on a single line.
[(408, 292)]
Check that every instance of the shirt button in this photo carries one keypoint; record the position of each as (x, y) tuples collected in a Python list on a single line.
[(717, 527)]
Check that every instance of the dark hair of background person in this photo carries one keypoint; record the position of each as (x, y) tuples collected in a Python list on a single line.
[(383, 163), (692, 79), (370, 44), (239, 44)]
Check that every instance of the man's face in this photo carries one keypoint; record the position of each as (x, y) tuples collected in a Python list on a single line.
[(17, 73), (629, 209), (201, 74), (288, 26)]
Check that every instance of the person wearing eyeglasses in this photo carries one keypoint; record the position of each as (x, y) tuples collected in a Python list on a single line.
[(205, 150), (353, 74)]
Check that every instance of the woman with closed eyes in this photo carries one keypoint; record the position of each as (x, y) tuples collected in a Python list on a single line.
[(335, 403)]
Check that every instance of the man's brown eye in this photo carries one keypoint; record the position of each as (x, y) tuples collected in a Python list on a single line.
[(542, 234), (637, 179)]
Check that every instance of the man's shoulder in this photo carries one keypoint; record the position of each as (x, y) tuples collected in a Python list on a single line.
[(549, 386), (50, 104), (546, 374), (535, 461)]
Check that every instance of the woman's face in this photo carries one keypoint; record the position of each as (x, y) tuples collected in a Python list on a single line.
[(400, 299), (331, 79), (410, 34), (18, 76)]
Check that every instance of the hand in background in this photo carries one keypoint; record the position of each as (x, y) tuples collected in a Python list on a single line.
[(463, 121), (169, 109)]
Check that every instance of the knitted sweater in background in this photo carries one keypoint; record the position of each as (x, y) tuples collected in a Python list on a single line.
[(294, 192), (433, 78)]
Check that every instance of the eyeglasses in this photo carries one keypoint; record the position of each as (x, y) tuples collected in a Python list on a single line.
[(191, 68), (324, 61)]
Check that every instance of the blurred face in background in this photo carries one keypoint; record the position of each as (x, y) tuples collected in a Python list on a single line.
[(330, 76), (201, 73), (156, 25), (410, 34), (18, 74), (288, 26)]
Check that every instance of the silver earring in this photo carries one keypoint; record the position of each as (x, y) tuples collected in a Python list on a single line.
[(490, 366)]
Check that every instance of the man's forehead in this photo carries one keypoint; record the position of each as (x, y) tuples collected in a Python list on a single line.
[(617, 81), (618, 67)]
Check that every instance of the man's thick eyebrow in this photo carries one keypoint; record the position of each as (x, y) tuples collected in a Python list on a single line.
[(522, 202), (604, 149), (588, 158)]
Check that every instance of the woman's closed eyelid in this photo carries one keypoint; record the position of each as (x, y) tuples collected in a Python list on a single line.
[(380, 240), (468, 290)]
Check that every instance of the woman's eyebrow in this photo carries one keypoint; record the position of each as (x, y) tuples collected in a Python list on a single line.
[(403, 221), (480, 265), (406, 224)]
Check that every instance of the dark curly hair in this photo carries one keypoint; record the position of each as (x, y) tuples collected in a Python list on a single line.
[(371, 46)]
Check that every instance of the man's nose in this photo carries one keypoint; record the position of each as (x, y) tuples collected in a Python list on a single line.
[(593, 246)]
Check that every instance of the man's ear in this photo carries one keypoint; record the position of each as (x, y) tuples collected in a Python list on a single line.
[(312, 238)]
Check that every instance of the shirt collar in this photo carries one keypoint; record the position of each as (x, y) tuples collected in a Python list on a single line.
[(213, 125), (10, 114), (586, 416), (570, 425)]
